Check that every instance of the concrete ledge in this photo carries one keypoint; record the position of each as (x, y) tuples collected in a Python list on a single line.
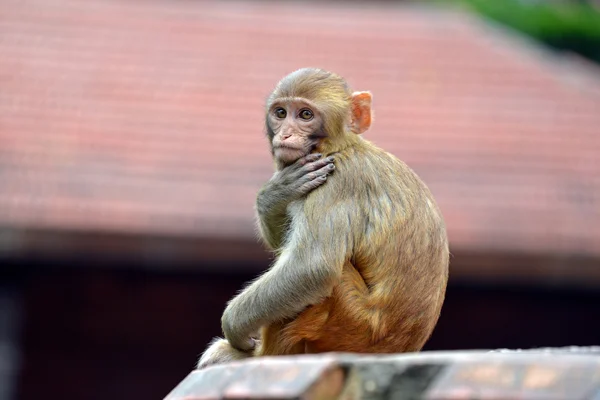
[(571, 373)]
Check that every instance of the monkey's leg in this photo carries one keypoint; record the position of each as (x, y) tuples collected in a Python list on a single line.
[(220, 351), (361, 321), (346, 321), (275, 342), (272, 342)]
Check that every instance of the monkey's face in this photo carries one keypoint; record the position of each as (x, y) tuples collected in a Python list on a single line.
[(295, 127)]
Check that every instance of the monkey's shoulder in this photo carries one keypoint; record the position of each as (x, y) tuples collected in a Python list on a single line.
[(373, 169)]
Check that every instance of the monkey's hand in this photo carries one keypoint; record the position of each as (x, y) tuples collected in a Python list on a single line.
[(291, 183), (220, 351), (238, 337)]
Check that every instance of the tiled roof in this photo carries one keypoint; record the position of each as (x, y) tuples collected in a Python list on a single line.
[(126, 116)]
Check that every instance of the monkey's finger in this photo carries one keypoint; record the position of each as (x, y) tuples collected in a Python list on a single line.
[(316, 175), (326, 170), (312, 184), (295, 171), (315, 165), (306, 165), (312, 170), (309, 158)]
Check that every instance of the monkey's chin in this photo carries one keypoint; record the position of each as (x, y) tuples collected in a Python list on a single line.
[(288, 155)]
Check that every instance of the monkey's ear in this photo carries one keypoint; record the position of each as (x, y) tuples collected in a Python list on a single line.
[(361, 112)]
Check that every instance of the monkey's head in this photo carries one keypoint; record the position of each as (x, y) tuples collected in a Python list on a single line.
[(314, 110)]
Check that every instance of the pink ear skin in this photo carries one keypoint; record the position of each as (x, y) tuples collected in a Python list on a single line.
[(361, 112)]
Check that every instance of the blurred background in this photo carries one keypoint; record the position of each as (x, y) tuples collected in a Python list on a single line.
[(132, 148)]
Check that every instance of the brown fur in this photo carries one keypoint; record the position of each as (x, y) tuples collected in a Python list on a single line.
[(371, 241)]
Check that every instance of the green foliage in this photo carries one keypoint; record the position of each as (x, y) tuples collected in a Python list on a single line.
[(566, 25)]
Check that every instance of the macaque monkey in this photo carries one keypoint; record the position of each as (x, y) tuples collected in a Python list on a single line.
[(361, 247)]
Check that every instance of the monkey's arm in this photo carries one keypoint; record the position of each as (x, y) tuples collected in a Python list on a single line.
[(309, 265), (271, 216), (285, 186)]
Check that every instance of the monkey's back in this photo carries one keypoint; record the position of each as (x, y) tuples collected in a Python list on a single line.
[(398, 264)]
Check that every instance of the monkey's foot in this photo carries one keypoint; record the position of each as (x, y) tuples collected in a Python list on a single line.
[(220, 351)]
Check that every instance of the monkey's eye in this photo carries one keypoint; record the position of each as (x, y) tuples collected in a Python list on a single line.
[(280, 113), (306, 114)]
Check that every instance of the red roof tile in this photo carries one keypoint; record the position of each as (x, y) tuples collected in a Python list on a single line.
[(147, 116)]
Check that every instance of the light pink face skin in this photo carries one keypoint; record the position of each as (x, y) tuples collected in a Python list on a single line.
[(297, 126)]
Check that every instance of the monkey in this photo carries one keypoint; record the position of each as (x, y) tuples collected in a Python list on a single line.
[(361, 250)]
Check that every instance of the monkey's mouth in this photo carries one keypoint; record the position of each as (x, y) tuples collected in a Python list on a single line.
[(287, 147), (289, 154)]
